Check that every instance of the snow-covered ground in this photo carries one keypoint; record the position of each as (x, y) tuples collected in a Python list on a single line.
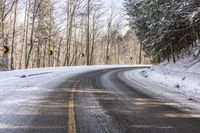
[(21, 90), (179, 82), (25, 95)]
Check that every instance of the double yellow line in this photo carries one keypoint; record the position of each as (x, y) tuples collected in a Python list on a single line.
[(71, 122), (71, 113)]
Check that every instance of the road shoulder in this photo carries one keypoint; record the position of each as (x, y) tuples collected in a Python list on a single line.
[(135, 80)]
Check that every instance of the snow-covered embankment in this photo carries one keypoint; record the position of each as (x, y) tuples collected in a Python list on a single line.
[(179, 82)]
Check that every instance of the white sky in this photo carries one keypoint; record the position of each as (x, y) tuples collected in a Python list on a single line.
[(118, 3)]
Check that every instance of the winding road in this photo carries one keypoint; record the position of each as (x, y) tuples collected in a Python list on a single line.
[(99, 102)]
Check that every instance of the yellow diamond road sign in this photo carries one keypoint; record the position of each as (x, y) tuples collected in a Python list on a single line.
[(82, 55), (6, 49), (50, 52)]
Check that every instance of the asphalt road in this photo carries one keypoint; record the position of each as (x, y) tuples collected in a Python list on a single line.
[(91, 103)]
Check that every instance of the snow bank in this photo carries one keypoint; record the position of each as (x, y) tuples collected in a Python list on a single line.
[(179, 82), (42, 76)]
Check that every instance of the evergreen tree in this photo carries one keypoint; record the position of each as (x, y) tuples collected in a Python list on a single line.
[(164, 27)]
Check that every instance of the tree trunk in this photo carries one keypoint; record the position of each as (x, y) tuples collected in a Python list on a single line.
[(88, 35), (140, 54), (13, 38)]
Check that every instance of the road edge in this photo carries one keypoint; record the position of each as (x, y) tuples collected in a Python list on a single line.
[(159, 92)]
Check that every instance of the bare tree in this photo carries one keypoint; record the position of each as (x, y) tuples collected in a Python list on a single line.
[(112, 27), (13, 38), (36, 6), (78, 32), (6, 7)]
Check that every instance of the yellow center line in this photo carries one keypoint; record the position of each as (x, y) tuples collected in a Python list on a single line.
[(71, 115), (71, 120), (8, 126)]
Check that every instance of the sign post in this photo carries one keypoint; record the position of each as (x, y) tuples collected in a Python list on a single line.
[(6, 50), (50, 53), (4, 55)]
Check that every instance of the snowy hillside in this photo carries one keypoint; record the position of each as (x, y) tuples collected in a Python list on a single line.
[(179, 82)]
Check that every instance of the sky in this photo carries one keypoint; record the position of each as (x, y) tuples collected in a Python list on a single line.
[(118, 3)]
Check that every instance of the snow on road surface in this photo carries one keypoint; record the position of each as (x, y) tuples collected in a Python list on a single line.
[(22, 91), (179, 82)]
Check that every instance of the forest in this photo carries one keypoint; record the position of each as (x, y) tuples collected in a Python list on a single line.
[(166, 29), (49, 33)]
